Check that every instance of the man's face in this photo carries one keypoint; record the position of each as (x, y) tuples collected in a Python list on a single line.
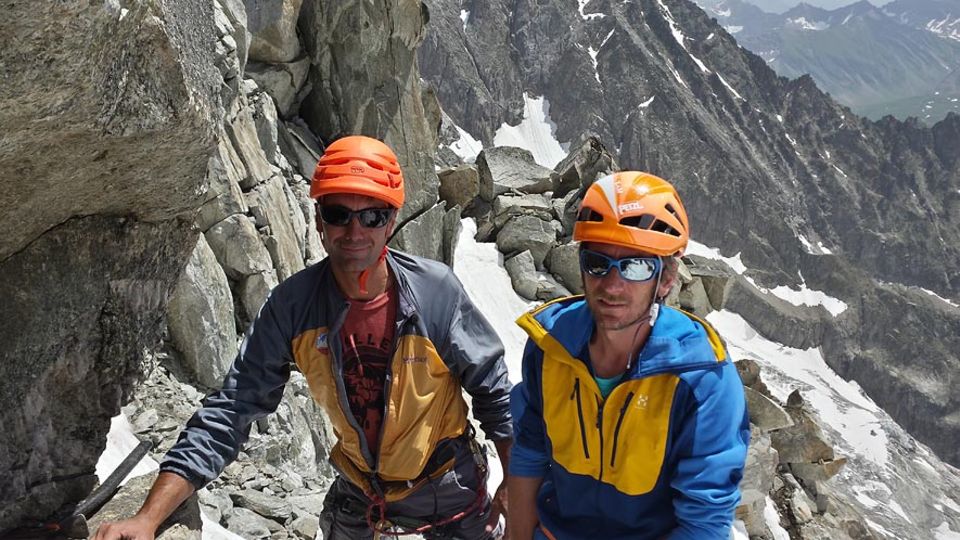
[(617, 303), (353, 247)]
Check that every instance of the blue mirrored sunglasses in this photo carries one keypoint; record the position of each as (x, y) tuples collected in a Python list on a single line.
[(630, 268)]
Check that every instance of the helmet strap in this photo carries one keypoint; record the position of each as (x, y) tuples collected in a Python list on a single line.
[(655, 305)]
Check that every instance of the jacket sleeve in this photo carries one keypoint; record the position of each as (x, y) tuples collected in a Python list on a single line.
[(713, 449), (251, 390), (529, 456), (474, 353)]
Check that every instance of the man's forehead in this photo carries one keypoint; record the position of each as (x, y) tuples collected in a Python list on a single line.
[(615, 250), (353, 201)]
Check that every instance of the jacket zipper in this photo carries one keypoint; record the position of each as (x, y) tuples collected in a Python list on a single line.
[(600, 405), (583, 427), (337, 350), (616, 431), (388, 378)]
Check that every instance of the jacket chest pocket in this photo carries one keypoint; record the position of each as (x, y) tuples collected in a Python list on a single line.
[(622, 441), (636, 427), (570, 411)]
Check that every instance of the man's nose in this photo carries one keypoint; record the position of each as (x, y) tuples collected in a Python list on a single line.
[(353, 226), (613, 281)]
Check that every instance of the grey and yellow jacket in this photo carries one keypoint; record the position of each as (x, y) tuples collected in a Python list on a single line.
[(442, 343)]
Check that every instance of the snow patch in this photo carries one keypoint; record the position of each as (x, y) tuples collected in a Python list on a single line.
[(593, 59), (943, 532), (120, 442), (536, 133), (824, 249), (804, 297), (678, 35), (879, 528), (464, 16), (730, 88), (840, 404), (789, 138), (647, 103), (772, 518), (779, 119), (211, 530), (839, 170), (847, 18), (895, 506), (947, 300), (676, 75), (803, 24), (733, 29), (609, 35), (696, 248), (479, 266), (709, 37), (588, 16), (466, 146)]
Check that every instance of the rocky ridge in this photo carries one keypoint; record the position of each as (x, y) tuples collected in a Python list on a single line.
[(805, 191)]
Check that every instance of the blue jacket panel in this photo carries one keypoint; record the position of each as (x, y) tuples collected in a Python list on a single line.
[(661, 456)]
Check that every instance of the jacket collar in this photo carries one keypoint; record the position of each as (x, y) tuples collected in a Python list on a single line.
[(679, 340)]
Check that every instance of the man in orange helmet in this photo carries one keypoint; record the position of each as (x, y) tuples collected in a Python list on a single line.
[(630, 421), (386, 341)]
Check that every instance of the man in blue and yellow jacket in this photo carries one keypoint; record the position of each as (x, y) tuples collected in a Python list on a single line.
[(630, 421)]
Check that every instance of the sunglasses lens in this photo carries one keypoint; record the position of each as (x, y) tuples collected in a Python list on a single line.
[(638, 269), (335, 215), (594, 264), (374, 218)]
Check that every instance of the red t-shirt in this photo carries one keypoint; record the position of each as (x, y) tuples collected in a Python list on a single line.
[(367, 338)]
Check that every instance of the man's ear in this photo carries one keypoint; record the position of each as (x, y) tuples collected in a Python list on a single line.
[(670, 271), (392, 223), (316, 218)]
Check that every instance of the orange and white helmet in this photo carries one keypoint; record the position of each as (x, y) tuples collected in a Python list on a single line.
[(359, 165), (636, 210)]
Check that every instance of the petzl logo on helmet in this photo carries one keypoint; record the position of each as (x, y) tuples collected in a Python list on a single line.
[(629, 207), (321, 343)]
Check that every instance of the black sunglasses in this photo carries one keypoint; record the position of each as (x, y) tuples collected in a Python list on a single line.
[(630, 268), (340, 216)]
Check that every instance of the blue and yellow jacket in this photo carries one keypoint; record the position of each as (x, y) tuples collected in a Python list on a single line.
[(661, 456)]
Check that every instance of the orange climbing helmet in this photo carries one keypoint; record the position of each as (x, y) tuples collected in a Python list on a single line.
[(359, 165), (635, 210)]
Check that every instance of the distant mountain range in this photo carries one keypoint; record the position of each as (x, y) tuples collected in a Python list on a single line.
[(901, 59), (779, 6)]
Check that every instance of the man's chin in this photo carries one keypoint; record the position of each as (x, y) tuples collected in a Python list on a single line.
[(347, 263)]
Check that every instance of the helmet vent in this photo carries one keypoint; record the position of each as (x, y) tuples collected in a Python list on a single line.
[(669, 208), (649, 222), (589, 214)]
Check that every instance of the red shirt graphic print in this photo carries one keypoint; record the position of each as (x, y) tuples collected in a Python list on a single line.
[(367, 338)]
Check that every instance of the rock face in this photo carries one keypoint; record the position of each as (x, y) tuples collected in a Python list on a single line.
[(365, 81), (103, 162), (767, 167)]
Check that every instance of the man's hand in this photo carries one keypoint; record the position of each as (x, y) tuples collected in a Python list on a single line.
[(498, 507), (168, 492), (135, 528)]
